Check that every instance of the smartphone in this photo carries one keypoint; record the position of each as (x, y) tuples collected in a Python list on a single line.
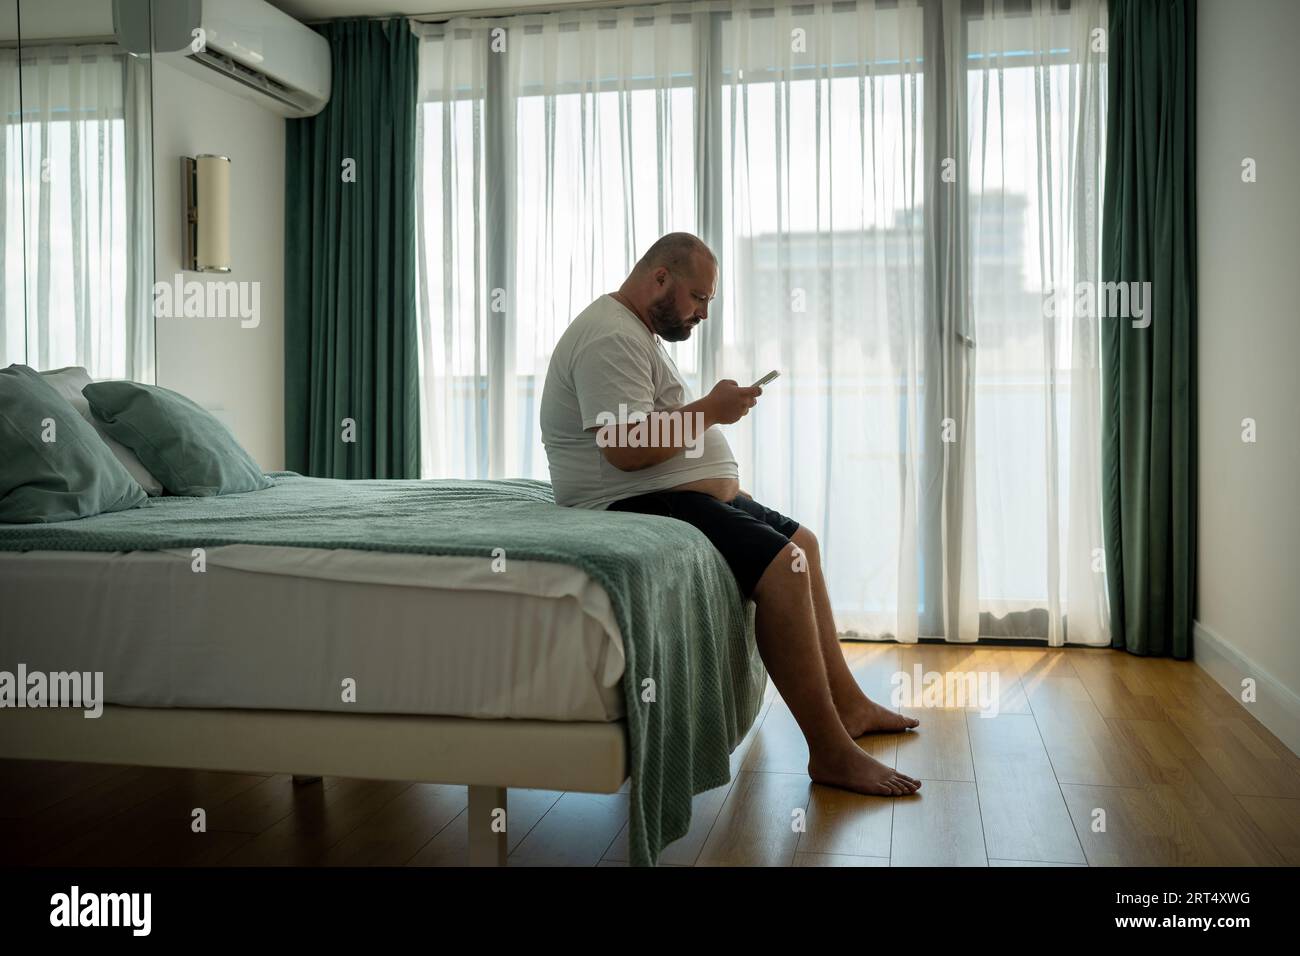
[(765, 379)]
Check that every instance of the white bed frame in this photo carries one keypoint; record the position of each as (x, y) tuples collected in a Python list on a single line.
[(487, 756)]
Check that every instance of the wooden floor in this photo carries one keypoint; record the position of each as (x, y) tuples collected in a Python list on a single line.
[(1095, 758)]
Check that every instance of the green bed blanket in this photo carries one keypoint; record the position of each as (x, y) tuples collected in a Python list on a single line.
[(693, 682)]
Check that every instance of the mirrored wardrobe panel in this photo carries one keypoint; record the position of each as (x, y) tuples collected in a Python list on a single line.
[(77, 167), (13, 320)]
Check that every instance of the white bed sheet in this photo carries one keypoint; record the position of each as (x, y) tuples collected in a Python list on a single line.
[(282, 628)]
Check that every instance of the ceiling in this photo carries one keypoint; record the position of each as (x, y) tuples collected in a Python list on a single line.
[(309, 10)]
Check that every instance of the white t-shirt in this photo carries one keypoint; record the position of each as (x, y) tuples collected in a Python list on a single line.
[(604, 359)]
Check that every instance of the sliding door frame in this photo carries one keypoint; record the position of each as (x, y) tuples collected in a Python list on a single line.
[(949, 348)]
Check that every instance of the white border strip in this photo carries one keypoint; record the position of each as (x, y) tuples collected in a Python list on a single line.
[(1277, 706)]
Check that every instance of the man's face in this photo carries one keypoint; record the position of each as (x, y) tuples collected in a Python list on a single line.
[(683, 302)]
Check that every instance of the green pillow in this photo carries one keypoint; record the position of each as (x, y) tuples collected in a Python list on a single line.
[(53, 467), (185, 447)]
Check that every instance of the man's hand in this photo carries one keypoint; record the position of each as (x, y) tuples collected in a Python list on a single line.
[(729, 402)]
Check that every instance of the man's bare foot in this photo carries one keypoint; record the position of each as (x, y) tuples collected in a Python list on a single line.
[(862, 773), (868, 717)]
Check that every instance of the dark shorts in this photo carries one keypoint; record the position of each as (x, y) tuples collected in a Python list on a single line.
[(747, 534)]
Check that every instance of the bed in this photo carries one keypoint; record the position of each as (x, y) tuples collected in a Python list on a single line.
[(436, 631)]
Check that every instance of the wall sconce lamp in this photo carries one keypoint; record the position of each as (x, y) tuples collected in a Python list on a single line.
[(205, 198)]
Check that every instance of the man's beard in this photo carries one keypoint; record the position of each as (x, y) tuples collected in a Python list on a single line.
[(665, 320)]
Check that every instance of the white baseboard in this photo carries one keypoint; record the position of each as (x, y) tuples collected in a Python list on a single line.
[(1277, 707)]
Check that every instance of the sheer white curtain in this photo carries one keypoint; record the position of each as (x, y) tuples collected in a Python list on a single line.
[(554, 149), (1035, 98), (891, 188), (78, 251), (824, 253)]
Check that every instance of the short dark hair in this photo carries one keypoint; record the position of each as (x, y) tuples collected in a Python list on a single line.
[(674, 252)]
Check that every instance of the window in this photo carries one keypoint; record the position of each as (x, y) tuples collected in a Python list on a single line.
[(893, 191)]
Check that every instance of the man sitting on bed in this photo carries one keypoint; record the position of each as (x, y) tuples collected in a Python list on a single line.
[(609, 370)]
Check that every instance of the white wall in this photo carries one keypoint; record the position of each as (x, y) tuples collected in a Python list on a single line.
[(1248, 554), (216, 362)]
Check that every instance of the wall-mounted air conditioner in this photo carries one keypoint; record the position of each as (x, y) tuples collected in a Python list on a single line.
[(249, 48)]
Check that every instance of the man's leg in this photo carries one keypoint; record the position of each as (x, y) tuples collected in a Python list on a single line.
[(790, 645), (858, 712)]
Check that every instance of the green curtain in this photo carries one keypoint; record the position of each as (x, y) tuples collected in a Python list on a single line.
[(351, 403), (1149, 374)]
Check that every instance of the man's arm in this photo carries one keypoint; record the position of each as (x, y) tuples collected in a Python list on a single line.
[(728, 402)]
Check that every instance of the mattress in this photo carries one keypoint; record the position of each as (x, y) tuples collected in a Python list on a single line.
[(282, 628)]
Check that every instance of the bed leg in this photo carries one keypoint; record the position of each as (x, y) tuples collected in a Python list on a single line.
[(487, 829), (301, 781)]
